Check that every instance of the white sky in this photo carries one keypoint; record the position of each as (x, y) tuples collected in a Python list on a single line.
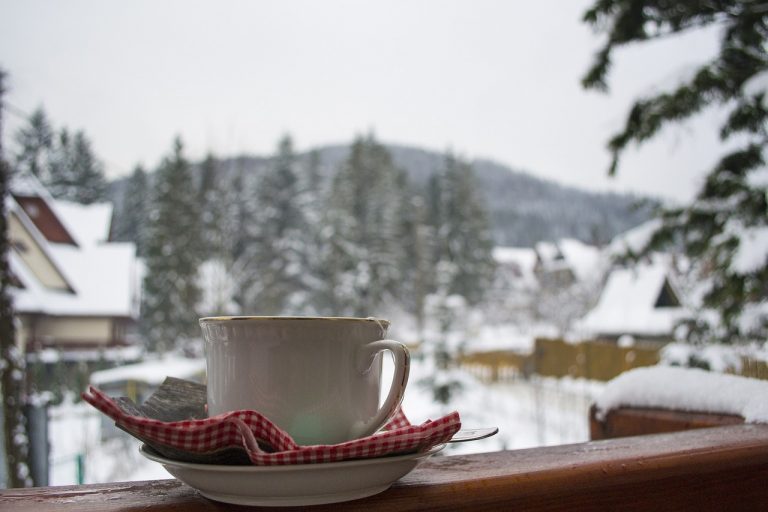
[(492, 79)]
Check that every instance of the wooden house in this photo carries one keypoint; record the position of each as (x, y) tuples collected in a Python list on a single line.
[(73, 288), (641, 301)]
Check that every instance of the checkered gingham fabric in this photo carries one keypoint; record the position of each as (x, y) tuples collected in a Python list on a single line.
[(244, 428)]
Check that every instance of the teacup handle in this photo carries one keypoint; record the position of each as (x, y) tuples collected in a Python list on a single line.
[(399, 379)]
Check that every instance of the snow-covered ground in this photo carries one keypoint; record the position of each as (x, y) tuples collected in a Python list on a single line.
[(534, 412), (74, 431), (528, 413)]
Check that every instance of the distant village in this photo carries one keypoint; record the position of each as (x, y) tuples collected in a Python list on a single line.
[(77, 295)]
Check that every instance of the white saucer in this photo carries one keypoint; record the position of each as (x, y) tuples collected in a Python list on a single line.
[(293, 485)]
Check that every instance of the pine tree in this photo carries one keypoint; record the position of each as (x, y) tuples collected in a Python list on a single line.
[(74, 173), (277, 257), (171, 291), (88, 182), (312, 198), (237, 213), (416, 266), (60, 177), (132, 223), (312, 177), (463, 240), (12, 364), (211, 199), (35, 142), (364, 252), (215, 200), (458, 237), (722, 228), (239, 234), (65, 164)]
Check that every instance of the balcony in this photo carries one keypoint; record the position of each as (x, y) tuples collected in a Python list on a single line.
[(718, 468)]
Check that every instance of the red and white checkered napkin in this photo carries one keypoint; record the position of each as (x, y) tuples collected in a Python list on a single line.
[(243, 428)]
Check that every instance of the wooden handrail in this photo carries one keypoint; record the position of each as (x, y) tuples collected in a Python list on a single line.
[(638, 421), (723, 468)]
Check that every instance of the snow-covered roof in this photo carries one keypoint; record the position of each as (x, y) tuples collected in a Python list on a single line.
[(520, 260), (100, 289), (523, 256), (115, 354), (102, 276), (688, 389), (547, 251), (628, 300), (152, 372), (89, 224), (582, 259), (37, 237)]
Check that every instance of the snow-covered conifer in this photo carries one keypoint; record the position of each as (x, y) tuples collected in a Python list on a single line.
[(35, 141), (461, 229), (171, 291)]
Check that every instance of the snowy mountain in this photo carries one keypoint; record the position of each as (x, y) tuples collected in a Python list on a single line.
[(524, 209)]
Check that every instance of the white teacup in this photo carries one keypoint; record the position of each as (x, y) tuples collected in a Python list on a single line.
[(318, 378)]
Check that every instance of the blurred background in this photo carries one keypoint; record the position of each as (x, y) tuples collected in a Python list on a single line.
[(450, 166)]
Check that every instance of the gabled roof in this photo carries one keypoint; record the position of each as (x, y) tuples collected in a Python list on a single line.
[(45, 256), (522, 257), (89, 224), (568, 253), (519, 260), (37, 203), (639, 301), (102, 277), (584, 259), (45, 220)]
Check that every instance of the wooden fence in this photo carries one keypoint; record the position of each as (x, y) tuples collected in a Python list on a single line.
[(593, 360)]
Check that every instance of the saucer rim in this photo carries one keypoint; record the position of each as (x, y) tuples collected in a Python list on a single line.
[(150, 454)]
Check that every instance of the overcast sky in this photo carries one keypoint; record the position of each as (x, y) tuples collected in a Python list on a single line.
[(490, 79)]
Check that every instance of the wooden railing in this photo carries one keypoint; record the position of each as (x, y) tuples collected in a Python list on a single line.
[(639, 421), (723, 468)]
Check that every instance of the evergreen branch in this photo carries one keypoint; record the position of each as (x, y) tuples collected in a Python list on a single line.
[(714, 83), (628, 21), (749, 115)]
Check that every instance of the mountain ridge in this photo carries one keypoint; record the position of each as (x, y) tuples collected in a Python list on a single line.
[(523, 208)]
